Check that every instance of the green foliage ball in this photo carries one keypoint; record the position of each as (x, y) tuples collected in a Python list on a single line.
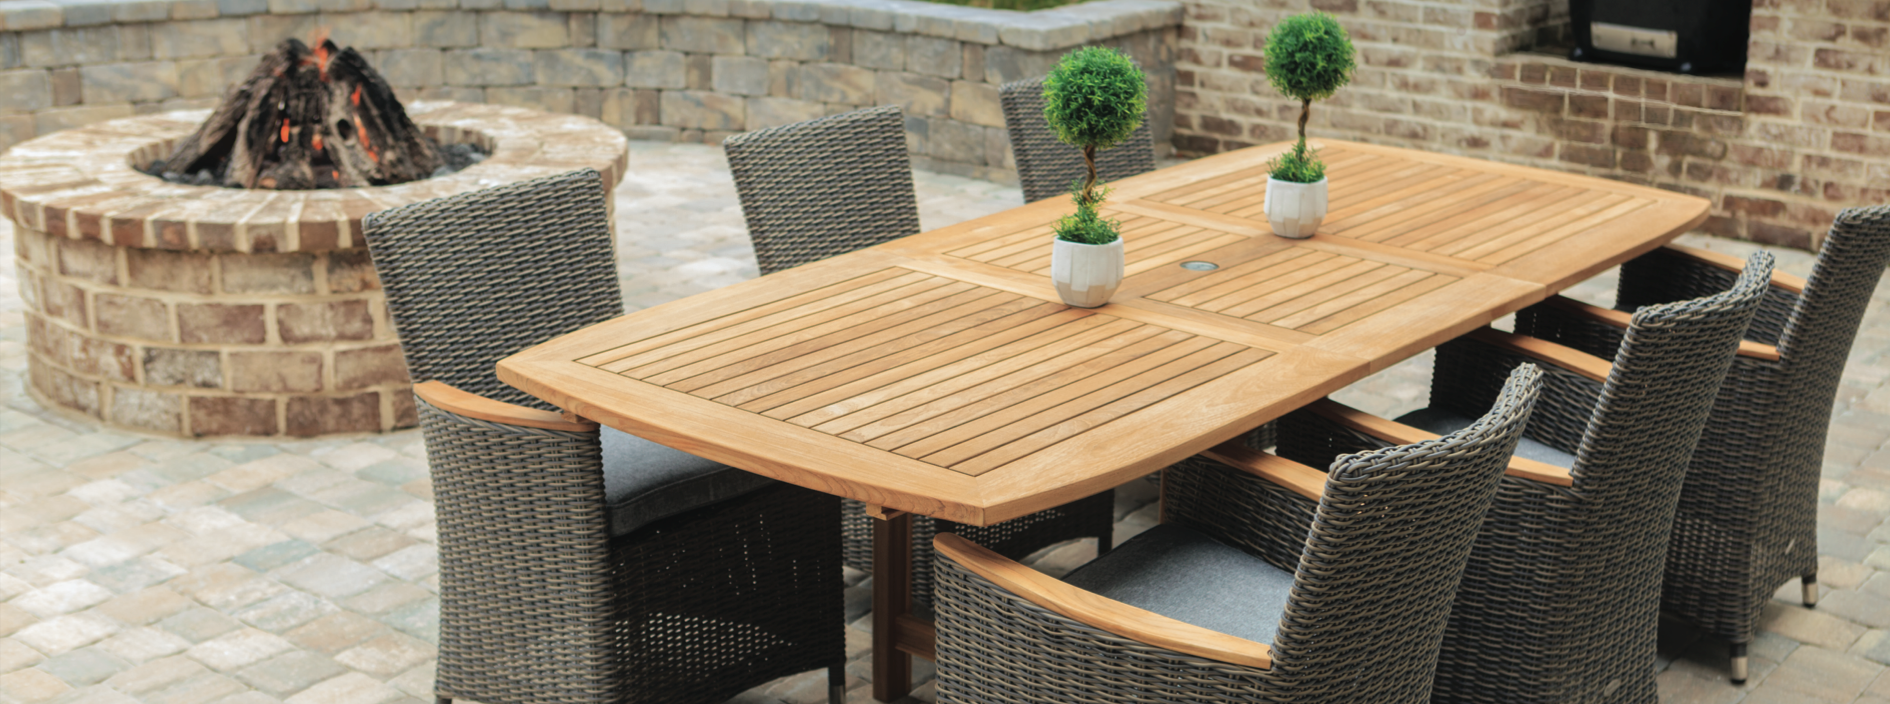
[(1309, 57), (1095, 97)]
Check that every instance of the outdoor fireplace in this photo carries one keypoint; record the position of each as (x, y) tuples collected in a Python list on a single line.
[(200, 310)]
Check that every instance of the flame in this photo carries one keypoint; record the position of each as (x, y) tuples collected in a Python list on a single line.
[(334, 174), (285, 130), (361, 132), (321, 51), (356, 97), (317, 141)]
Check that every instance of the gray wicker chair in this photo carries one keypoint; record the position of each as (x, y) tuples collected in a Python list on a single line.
[(579, 566), (1560, 602), (1748, 514), (1046, 166), (820, 188), (1268, 582)]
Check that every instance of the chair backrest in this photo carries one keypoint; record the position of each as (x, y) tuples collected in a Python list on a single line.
[(1387, 548), (1817, 338), (1658, 396), (475, 277), (828, 186), (527, 581), (1045, 165)]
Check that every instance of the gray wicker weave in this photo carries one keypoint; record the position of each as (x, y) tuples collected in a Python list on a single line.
[(1046, 166), (824, 187), (1561, 597), (460, 305), (1374, 563), (538, 601), (820, 188), (1747, 519)]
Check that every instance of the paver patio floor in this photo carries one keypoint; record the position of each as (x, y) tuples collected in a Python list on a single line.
[(143, 569)]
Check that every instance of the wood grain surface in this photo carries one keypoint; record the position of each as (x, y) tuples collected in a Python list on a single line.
[(939, 374)]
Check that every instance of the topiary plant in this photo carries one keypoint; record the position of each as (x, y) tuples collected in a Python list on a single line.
[(1309, 57), (1094, 99)]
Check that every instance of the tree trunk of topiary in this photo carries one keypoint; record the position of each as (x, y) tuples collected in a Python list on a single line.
[(1089, 159), (1305, 110)]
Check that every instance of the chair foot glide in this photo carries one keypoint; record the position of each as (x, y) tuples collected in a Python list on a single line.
[(1810, 582), (1739, 663), (837, 684)]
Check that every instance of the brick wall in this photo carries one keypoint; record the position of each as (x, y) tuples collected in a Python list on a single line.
[(692, 70), (201, 343), (1805, 132)]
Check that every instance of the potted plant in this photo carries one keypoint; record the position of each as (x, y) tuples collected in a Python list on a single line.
[(1094, 99), (1308, 58)]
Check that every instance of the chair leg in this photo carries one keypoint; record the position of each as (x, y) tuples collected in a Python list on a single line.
[(837, 683), (1739, 663), (442, 700), (1810, 582)]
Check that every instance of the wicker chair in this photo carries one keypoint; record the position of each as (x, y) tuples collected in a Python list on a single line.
[(1560, 602), (579, 566), (1748, 514), (1268, 582), (1045, 165), (820, 188)]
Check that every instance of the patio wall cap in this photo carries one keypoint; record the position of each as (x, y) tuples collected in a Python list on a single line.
[(1042, 30)]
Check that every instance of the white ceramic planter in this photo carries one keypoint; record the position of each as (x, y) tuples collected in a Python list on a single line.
[(1295, 209), (1086, 275)]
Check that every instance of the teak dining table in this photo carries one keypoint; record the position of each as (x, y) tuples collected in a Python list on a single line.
[(938, 374)]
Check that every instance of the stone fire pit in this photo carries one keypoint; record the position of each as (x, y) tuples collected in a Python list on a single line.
[(205, 311)]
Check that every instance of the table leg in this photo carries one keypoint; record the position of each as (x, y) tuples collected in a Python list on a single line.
[(892, 598)]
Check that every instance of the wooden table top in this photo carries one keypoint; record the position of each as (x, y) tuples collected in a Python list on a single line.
[(939, 374)]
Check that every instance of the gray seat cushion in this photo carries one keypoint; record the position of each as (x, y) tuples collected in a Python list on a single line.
[(645, 481), (1444, 422), (1179, 573)]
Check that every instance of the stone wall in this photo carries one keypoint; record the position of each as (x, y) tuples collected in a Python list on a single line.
[(1805, 132), (693, 70)]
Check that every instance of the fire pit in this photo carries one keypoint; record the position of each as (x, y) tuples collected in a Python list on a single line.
[(207, 311)]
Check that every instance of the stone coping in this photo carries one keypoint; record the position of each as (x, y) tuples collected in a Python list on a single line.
[(80, 183), (1042, 30)]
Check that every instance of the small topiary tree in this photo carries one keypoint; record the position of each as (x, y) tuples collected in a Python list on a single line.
[(1309, 57), (1094, 99)]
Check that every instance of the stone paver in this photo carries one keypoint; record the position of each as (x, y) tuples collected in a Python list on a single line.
[(144, 569)]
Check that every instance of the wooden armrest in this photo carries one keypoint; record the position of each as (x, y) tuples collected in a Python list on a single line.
[(1296, 477), (447, 398), (1102, 612), (1562, 356), (1748, 348), (1731, 263), (1397, 433), (1620, 319)]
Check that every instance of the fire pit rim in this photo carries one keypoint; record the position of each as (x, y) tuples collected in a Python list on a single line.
[(99, 195)]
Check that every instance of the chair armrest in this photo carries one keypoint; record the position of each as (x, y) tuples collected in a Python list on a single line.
[(1397, 433), (447, 398), (1621, 319), (1736, 265), (1293, 476), (1562, 356), (1101, 612)]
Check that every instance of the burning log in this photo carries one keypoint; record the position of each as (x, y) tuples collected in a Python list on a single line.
[(309, 118)]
